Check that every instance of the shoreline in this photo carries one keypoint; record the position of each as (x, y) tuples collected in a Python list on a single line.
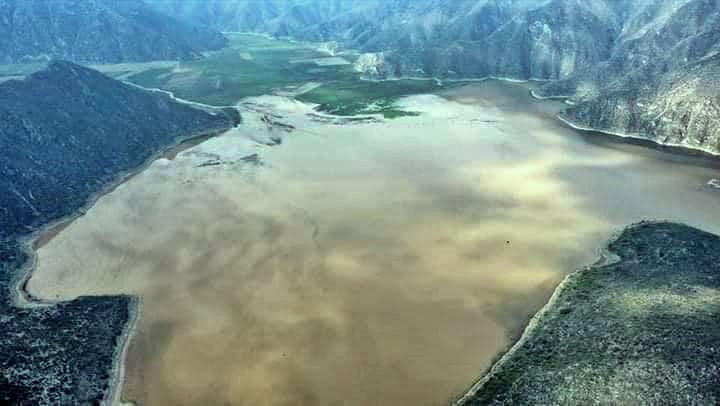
[(114, 395), (685, 149), (605, 258), (641, 140), (647, 142), (644, 141), (43, 236), (633, 139), (30, 244), (565, 99), (440, 81), (172, 96), (117, 372)]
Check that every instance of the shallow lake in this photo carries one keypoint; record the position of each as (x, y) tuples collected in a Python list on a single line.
[(360, 264)]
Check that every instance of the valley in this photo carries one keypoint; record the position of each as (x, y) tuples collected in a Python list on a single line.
[(373, 262), (359, 203), (255, 65)]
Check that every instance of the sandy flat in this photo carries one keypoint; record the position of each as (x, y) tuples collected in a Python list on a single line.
[(327, 61)]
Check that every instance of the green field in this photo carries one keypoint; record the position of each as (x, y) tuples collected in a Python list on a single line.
[(254, 65), (251, 66), (354, 96)]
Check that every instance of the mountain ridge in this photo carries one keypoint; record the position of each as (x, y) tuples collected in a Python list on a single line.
[(97, 31)]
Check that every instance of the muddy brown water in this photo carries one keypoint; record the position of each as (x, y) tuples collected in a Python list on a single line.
[(370, 264)]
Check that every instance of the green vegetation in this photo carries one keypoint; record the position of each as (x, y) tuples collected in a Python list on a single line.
[(644, 330), (254, 65), (353, 97)]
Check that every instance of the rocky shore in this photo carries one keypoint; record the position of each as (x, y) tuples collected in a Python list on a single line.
[(609, 334)]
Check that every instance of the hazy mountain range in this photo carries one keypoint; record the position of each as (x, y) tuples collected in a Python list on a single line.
[(638, 67), (644, 67), (97, 31)]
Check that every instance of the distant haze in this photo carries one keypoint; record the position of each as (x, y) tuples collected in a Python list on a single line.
[(643, 67)]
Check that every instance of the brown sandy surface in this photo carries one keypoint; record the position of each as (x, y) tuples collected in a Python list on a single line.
[(371, 264)]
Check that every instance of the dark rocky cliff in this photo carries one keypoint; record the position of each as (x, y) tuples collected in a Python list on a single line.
[(66, 133), (97, 31)]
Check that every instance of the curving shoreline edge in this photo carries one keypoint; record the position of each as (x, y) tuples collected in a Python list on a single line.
[(23, 298), (605, 258), (609, 334)]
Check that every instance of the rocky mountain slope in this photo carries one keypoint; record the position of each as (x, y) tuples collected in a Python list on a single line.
[(68, 111), (540, 38), (96, 31), (632, 65), (609, 335), (680, 107), (67, 133), (661, 81)]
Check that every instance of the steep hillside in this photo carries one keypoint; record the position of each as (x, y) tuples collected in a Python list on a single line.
[(611, 334), (661, 81), (544, 39), (96, 31), (680, 107), (66, 133)]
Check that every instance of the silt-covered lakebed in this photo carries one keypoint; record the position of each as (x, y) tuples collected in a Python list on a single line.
[(301, 259)]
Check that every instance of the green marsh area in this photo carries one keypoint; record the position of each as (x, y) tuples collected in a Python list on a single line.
[(254, 65)]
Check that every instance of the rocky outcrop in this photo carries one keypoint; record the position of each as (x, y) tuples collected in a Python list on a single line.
[(373, 64), (67, 133), (97, 31)]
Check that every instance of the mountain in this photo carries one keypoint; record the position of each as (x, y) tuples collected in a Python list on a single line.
[(584, 348), (97, 31), (546, 39), (661, 81), (637, 67), (106, 126), (279, 17), (66, 134)]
